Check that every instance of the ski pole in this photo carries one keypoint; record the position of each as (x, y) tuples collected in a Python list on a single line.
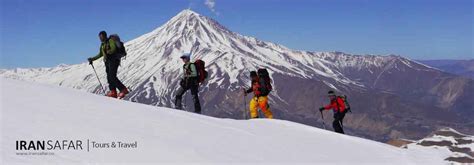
[(245, 106), (101, 86), (185, 104), (185, 95), (322, 117), (342, 125), (258, 109)]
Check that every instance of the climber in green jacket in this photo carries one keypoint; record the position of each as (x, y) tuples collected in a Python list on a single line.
[(108, 50)]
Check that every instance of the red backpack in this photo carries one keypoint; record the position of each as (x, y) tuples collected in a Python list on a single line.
[(201, 71)]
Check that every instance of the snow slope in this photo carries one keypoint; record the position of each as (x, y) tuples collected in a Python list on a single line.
[(456, 146), (37, 112)]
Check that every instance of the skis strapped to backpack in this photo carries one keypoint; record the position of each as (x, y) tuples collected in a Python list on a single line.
[(121, 51), (265, 81)]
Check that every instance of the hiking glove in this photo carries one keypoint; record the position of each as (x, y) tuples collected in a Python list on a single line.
[(90, 60)]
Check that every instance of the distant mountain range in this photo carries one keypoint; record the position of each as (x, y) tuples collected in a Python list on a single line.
[(391, 96), (459, 67)]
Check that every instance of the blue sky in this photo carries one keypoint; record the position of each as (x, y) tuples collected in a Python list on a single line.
[(50, 32)]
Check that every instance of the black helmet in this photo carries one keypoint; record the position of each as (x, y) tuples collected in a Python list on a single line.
[(331, 93), (103, 33)]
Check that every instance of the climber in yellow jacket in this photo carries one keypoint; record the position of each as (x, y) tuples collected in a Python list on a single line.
[(260, 87)]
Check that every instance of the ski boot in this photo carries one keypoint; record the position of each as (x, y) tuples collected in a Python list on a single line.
[(122, 93), (112, 93)]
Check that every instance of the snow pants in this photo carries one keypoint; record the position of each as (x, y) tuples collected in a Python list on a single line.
[(111, 67), (337, 123), (194, 93), (262, 103)]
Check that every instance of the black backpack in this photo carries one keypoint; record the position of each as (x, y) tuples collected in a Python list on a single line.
[(121, 51), (265, 81)]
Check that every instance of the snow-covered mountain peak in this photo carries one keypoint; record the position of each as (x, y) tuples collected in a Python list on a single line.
[(189, 26), (187, 12), (225, 52)]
